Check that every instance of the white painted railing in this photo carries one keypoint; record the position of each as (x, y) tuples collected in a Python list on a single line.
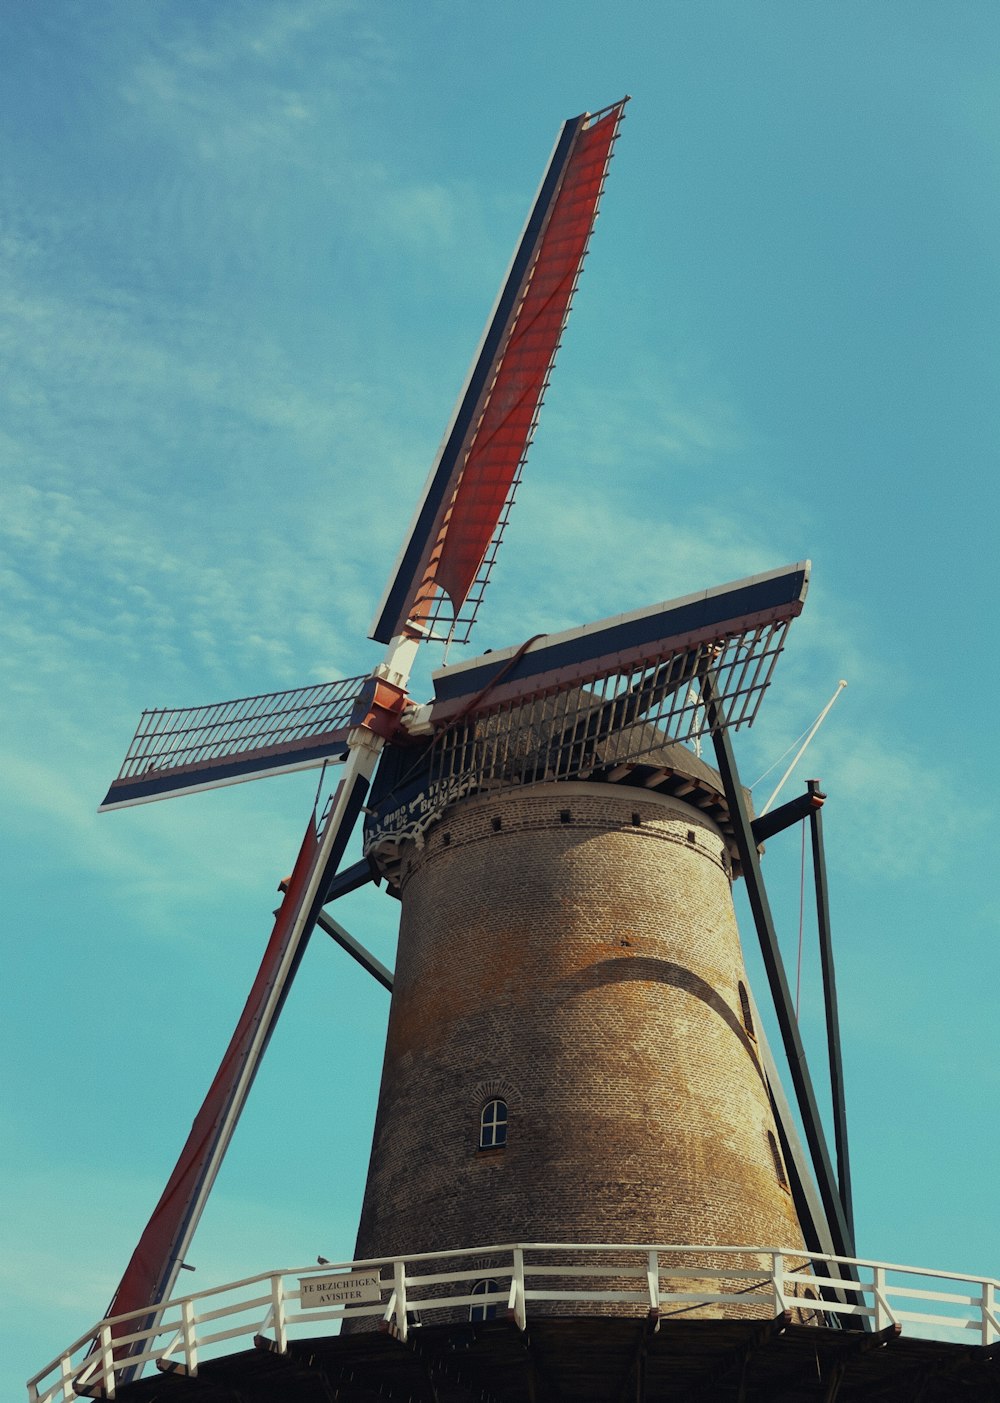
[(278, 1305)]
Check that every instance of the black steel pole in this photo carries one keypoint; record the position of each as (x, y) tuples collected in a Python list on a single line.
[(801, 1081), (354, 948), (830, 1000)]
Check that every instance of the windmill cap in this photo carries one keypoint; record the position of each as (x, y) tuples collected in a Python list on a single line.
[(674, 769)]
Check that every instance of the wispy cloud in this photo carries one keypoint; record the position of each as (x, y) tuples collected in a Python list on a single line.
[(231, 81), (234, 97), (905, 815)]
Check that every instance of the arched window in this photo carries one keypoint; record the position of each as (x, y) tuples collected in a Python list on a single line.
[(779, 1168), (488, 1309), (493, 1125), (745, 1009)]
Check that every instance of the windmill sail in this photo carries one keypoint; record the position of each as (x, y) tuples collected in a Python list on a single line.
[(154, 1264), (204, 747), (447, 556), (741, 624), (156, 1261)]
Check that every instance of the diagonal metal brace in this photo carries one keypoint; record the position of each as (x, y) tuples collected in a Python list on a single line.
[(356, 950), (830, 1001), (774, 965)]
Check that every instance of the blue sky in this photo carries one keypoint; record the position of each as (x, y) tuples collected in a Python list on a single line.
[(246, 252)]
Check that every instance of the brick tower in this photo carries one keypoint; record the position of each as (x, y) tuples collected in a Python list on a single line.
[(571, 1054)]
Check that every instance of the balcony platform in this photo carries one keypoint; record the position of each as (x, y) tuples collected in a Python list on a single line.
[(592, 1360), (554, 1323)]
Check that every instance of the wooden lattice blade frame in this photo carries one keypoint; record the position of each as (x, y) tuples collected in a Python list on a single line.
[(204, 747), (620, 651), (594, 701), (449, 550)]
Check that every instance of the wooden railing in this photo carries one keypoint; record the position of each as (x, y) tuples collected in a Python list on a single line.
[(519, 1280)]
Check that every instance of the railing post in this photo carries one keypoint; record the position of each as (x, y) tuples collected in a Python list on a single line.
[(653, 1282), (278, 1314), (107, 1361), (399, 1290), (778, 1282), (883, 1315), (190, 1337), (990, 1329), (519, 1305), (66, 1378), (389, 1312)]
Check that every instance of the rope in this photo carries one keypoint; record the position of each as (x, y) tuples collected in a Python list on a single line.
[(779, 759), (511, 662)]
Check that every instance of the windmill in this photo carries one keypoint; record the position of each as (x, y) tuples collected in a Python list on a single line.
[(524, 750)]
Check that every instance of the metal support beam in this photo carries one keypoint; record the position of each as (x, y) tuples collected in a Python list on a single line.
[(781, 818), (808, 1205), (353, 877), (355, 949), (784, 1008), (830, 1000)]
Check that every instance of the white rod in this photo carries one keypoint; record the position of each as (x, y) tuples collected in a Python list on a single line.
[(802, 748)]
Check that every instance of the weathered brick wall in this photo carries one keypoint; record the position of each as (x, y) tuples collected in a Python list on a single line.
[(572, 948)]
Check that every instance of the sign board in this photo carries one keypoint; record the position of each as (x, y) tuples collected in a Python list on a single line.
[(345, 1289)]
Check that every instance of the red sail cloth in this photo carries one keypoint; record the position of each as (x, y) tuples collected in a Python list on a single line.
[(148, 1273), (502, 435)]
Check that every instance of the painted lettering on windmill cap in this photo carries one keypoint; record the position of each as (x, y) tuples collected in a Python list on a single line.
[(416, 807), (345, 1289)]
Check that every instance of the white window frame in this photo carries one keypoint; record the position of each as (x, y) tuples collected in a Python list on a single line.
[(490, 1123), (488, 1310)]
